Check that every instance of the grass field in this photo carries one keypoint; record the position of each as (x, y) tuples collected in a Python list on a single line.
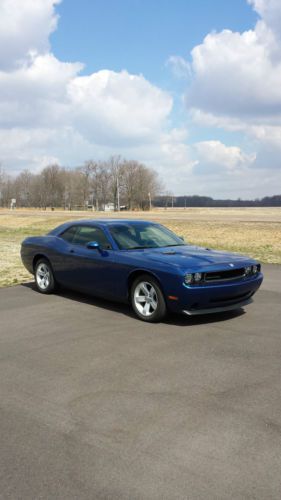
[(252, 231)]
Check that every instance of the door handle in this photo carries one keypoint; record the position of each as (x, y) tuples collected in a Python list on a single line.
[(71, 251)]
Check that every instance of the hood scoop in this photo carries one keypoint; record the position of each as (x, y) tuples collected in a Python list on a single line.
[(169, 252)]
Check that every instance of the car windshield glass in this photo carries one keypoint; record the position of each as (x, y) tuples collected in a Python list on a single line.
[(137, 236)]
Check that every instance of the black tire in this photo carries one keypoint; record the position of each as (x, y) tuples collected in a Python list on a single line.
[(44, 277), (152, 300)]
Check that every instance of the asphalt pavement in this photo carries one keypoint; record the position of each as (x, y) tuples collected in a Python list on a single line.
[(95, 404)]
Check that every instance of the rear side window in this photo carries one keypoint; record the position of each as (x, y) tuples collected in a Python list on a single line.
[(69, 234), (85, 234)]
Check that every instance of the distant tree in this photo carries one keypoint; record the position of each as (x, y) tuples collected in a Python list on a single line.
[(52, 186), (2, 184), (23, 188), (6, 188)]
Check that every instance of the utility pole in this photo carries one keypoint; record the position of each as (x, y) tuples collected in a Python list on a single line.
[(115, 167), (149, 197), (117, 186)]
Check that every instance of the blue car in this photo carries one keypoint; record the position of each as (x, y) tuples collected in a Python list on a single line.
[(142, 263)]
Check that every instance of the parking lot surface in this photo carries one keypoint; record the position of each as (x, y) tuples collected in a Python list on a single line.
[(95, 404)]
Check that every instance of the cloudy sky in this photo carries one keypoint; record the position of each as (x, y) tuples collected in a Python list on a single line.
[(192, 89)]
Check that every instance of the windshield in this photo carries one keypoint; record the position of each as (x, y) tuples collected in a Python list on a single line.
[(133, 236)]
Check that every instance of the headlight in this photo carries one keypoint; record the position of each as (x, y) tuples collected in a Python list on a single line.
[(197, 277), (255, 269), (248, 270), (192, 278), (188, 278)]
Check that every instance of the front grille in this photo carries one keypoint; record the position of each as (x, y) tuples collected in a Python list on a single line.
[(225, 275), (237, 298)]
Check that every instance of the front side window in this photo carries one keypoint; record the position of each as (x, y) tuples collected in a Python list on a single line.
[(85, 234), (81, 235), (133, 236)]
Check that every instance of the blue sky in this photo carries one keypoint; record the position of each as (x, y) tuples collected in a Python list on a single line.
[(140, 35), (190, 88)]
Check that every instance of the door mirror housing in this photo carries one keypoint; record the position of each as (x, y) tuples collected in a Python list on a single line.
[(93, 245)]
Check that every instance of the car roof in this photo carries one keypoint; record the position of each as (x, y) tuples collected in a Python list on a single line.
[(107, 222), (101, 222)]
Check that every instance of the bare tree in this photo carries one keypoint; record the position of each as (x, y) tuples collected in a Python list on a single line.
[(93, 169), (118, 181), (6, 188), (52, 186), (142, 185), (2, 184), (23, 187), (105, 183), (168, 199), (130, 174)]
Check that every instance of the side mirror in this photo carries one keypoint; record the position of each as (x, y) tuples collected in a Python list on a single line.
[(93, 245)]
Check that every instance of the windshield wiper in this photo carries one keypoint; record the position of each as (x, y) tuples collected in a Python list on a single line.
[(176, 245), (136, 248), (140, 248)]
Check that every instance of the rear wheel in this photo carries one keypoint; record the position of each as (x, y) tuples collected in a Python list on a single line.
[(44, 277), (147, 299)]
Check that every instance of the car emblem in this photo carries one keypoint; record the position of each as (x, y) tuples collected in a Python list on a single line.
[(231, 265)]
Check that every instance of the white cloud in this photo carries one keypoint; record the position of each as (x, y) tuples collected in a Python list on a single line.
[(216, 154), (270, 12), (235, 86), (25, 26), (118, 106), (48, 110), (35, 94), (180, 67), (234, 75)]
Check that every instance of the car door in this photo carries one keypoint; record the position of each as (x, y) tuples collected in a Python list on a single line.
[(85, 269)]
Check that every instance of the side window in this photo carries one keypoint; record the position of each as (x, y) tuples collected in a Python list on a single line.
[(85, 234), (69, 234)]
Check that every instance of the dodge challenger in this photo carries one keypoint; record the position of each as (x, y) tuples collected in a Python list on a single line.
[(142, 263)]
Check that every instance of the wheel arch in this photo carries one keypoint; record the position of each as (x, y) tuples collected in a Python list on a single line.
[(139, 272), (37, 257)]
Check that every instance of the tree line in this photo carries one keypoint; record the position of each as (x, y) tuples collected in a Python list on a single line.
[(115, 182), (168, 200)]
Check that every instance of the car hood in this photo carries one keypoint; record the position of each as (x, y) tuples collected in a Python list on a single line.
[(189, 256)]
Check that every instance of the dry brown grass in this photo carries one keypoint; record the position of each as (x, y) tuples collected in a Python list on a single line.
[(255, 232)]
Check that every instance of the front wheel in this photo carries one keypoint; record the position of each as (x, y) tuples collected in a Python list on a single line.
[(44, 277), (147, 299)]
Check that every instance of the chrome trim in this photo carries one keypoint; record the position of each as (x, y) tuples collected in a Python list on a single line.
[(213, 283), (196, 312), (215, 280)]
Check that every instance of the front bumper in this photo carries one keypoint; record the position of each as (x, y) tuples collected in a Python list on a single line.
[(216, 297), (232, 307)]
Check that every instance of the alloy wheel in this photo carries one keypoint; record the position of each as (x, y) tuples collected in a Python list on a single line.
[(145, 298), (43, 276)]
